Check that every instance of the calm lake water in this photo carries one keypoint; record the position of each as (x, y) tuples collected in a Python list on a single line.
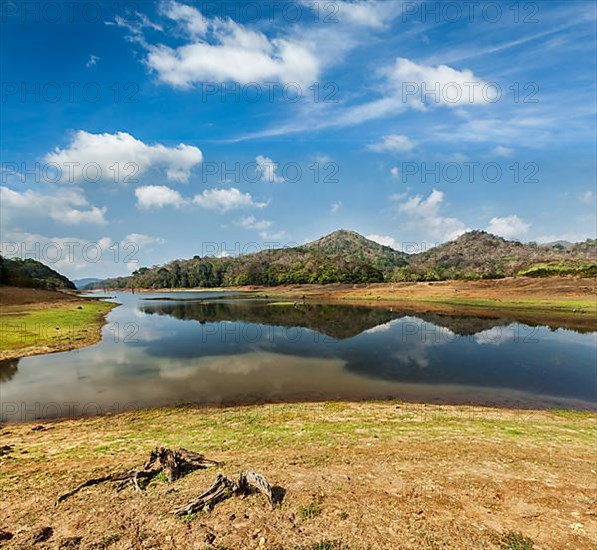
[(186, 347)]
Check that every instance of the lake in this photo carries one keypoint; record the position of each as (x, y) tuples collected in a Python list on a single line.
[(209, 348)]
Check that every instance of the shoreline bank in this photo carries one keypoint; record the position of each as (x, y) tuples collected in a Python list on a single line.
[(39, 322)]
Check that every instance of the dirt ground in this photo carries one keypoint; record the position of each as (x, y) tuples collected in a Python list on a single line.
[(355, 476), (521, 290), (18, 296)]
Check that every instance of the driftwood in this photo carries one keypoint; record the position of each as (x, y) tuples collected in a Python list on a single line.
[(174, 464), (225, 487)]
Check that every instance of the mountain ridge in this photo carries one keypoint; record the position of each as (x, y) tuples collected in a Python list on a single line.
[(345, 256)]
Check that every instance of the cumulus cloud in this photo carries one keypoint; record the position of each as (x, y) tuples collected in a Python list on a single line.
[(121, 158), (222, 50), (384, 240), (158, 196), (393, 144), (508, 226), (226, 199), (424, 215), (421, 85), (394, 171), (588, 197), (266, 169), (67, 206)]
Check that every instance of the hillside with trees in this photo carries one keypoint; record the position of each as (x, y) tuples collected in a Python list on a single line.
[(31, 274), (347, 257), (481, 255)]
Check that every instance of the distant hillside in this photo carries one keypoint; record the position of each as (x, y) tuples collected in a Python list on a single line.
[(481, 255), (341, 257), (82, 283), (31, 273), (347, 257)]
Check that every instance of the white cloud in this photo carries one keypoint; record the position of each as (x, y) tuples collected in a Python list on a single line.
[(385, 240), (425, 217), (67, 206), (570, 237), (122, 158), (406, 85), (501, 151), (393, 144), (76, 257), (251, 222), (394, 171), (588, 197), (93, 59), (275, 236), (157, 196), (266, 169), (508, 226), (422, 86), (226, 199), (142, 240), (190, 19), (367, 13), (223, 50), (335, 207)]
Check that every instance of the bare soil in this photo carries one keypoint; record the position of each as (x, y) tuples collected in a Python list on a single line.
[(513, 289), (18, 296), (356, 476)]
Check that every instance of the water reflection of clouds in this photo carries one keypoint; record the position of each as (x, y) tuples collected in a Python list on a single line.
[(244, 353)]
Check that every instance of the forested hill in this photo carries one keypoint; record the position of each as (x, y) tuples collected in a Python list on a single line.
[(347, 257), (343, 256), (31, 273)]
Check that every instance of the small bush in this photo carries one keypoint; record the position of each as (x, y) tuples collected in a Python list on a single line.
[(327, 545), (516, 541), (309, 512), (550, 270)]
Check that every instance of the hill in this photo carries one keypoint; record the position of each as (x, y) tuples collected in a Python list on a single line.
[(82, 283), (481, 255), (341, 257), (347, 257), (32, 274)]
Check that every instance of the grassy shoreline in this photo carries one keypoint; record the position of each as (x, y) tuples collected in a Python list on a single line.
[(38, 328), (563, 294), (356, 475)]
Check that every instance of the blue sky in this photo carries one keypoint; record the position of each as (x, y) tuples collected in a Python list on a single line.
[(133, 133)]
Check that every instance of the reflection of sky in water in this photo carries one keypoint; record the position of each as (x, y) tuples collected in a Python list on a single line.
[(165, 352)]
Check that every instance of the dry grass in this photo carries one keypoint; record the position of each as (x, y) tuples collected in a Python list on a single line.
[(366, 475)]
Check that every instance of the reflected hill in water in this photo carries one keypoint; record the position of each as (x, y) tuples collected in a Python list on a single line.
[(337, 321)]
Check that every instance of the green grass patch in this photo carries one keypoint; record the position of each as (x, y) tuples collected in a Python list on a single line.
[(310, 511), (58, 326), (561, 270), (516, 541)]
